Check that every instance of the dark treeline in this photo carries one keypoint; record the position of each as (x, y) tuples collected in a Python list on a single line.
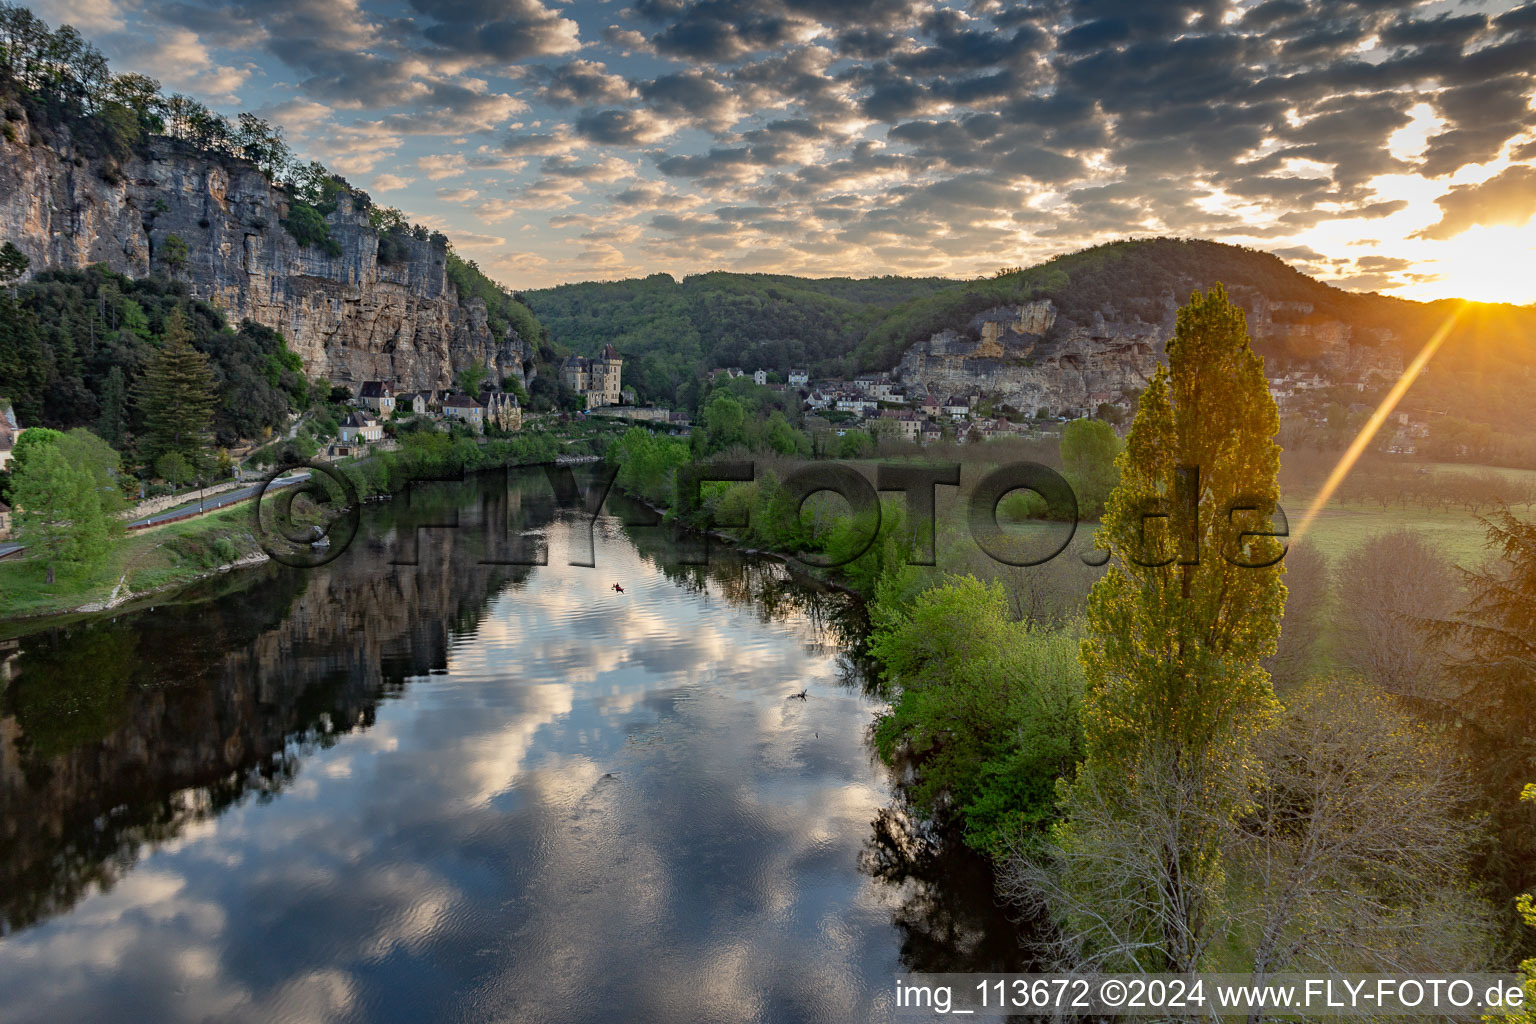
[(671, 331), (73, 341)]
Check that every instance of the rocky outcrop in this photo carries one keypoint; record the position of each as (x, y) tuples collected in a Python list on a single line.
[(350, 317), (1032, 359), (1024, 357)]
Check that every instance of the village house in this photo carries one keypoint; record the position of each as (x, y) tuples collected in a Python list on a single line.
[(760, 377), (377, 395), (5, 521), (799, 378), (360, 428), (849, 401), (502, 410), (905, 423), (957, 408), (597, 380), (930, 432), (464, 409), (412, 402)]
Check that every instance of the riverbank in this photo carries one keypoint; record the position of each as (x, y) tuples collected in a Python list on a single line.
[(141, 564), (160, 559)]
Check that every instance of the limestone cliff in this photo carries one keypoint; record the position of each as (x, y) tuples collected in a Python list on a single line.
[(1029, 357), (350, 317)]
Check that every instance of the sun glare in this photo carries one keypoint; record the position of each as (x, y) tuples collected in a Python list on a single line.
[(1483, 264)]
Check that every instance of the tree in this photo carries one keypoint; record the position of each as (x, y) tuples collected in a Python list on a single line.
[(58, 508), (98, 458), (112, 424), (1390, 589), (1176, 635), (1088, 452), (1306, 586), (13, 263), (174, 469), (988, 708), (724, 423), (1354, 854), (175, 395), (470, 379), (173, 253)]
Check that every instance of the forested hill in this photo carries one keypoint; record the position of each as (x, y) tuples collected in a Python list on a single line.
[(670, 331), (1146, 278)]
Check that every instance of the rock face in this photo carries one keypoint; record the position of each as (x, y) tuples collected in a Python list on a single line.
[(1030, 358), (350, 317), (1026, 358)]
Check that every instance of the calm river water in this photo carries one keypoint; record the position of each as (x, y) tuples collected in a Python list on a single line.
[(465, 791)]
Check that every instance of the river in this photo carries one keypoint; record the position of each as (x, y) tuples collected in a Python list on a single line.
[(468, 790)]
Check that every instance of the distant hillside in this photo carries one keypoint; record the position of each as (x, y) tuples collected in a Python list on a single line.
[(1136, 279), (670, 331), (1482, 373)]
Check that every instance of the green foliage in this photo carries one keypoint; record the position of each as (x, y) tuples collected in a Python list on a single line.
[(76, 337), (988, 710), (647, 463), (504, 310), (470, 379), (309, 228), (1176, 692), (173, 253), (174, 469), (175, 396), (59, 509), (13, 263), (1088, 452)]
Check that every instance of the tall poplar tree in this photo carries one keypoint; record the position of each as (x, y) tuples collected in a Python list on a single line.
[(1176, 632), (175, 394)]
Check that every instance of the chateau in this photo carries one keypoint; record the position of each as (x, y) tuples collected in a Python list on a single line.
[(596, 380)]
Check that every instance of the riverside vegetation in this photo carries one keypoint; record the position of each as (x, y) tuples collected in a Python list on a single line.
[(1167, 771)]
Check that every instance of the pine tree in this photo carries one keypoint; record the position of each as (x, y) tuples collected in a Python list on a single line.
[(175, 394), (1175, 636), (112, 425)]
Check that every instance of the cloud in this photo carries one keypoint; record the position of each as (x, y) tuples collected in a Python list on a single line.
[(1507, 198), (498, 30), (622, 127), (390, 183), (584, 81)]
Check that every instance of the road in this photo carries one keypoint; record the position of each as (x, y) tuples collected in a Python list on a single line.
[(217, 501)]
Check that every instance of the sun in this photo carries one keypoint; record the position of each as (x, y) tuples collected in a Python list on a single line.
[(1484, 264)]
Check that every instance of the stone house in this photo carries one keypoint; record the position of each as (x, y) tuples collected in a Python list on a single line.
[(6, 526), (377, 395), (502, 410), (360, 427), (465, 409), (412, 402)]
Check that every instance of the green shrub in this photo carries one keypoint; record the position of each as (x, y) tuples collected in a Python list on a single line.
[(988, 710)]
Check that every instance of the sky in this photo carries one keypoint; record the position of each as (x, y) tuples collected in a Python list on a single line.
[(1380, 146)]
